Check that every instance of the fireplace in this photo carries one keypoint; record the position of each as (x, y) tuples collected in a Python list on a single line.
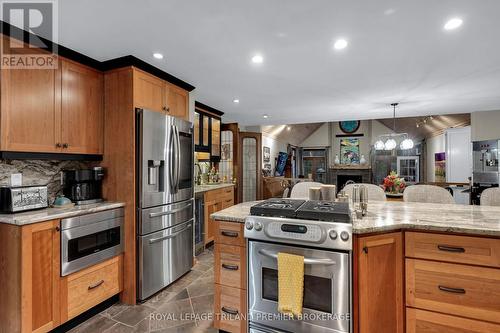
[(340, 174), (343, 179)]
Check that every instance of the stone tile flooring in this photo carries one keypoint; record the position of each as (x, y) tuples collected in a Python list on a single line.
[(183, 307)]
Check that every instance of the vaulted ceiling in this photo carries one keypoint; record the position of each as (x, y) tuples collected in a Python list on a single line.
[(397, 51)]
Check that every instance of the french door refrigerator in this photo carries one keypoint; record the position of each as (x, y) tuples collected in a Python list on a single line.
[(165, 200)]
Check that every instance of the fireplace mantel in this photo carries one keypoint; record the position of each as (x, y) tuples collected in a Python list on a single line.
[(350, 167)]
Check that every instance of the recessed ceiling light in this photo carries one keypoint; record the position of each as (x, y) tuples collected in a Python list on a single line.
[(265, 116), (340, 44), (236, 101), (288, 128), (453, 24), (158, 55), (257, 59)]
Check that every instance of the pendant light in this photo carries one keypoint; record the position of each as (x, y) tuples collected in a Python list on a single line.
[(390, 141)]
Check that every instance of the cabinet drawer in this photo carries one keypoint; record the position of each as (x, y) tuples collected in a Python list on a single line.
[(228, 202), (467, 291), (230, 266), (230, 309), (230, 233), (419, 321), (458, 249), (93, 285)]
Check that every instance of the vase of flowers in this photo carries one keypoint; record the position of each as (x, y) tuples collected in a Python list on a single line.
[(393, 184)]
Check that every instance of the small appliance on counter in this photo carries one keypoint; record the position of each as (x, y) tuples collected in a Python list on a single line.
[(15, 199), (83, 186), (486, 171)]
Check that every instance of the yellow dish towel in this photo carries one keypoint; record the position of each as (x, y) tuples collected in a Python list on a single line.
[(290, 283)]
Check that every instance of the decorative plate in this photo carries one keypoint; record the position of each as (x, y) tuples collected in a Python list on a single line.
[(349, 126)]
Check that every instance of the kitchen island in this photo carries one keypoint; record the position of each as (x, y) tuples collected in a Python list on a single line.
[(416, 267)]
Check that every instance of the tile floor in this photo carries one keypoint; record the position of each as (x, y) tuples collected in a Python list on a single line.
[(185, 306)]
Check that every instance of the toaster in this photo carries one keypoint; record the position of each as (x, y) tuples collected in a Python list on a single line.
[(14, 199)]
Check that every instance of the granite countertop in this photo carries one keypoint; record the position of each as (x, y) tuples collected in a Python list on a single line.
[(47, 214), (390, 216), (206, 188)]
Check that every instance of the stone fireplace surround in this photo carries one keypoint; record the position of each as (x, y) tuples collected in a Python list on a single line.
[(339, 174)]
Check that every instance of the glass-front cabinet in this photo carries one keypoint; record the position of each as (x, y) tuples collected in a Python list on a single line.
[(207, 128)]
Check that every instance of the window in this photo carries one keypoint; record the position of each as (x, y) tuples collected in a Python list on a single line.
[(408, 168)]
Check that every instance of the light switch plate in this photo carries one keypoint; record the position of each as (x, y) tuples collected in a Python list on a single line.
[(16, 179)]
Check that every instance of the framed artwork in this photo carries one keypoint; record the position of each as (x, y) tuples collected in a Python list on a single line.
[(349, 126), (267, 154), (440, 167), (349, 151)]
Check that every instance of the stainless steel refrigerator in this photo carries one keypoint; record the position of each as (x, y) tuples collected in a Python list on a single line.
[(165, 200)]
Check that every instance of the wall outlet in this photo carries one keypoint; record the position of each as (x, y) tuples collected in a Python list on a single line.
[(16, 179)]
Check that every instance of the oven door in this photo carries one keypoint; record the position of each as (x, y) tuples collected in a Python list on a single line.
[(327, 289), (90, 244)]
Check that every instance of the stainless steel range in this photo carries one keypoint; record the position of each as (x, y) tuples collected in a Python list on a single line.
[(319, 231)]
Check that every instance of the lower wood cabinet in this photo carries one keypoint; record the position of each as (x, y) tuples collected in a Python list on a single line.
[(230, 277), (379, 284), (420, 321), (215, 201), (34, 297)]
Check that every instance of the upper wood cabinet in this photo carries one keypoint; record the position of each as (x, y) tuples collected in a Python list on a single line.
[(380, 283), (82, 111), (207, 134), (30, 114), (152, 93), (52, 111)]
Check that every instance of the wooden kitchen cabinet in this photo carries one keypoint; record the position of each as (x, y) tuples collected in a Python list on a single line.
[(207, 128), (155, 94), (215, 201), (82, 109), (210, 208), (30, 275), (380, 283), (30, 114)]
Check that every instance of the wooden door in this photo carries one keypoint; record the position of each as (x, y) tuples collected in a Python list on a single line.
[(82, 114), (40, 254), (177, 101), (149, 92), (30, 110), (380, 283), (250, 173), (231, 154)]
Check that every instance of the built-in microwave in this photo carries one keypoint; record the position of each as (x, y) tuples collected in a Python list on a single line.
[(89, 239)]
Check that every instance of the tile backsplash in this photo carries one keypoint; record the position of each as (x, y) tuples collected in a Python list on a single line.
[(40, 172)]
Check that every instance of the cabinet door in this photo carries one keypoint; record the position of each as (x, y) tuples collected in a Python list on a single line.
[(380, 284), (30, 110), (210, 207), (177, 101), (149, 92), (82, 111), (215, 139), (40, 276)]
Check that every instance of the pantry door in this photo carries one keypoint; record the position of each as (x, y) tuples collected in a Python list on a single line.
[(250, 162)]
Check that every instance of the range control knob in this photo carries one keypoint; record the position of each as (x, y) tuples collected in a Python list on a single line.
[(344, 235), (249, 225), (258, 226), (333, 234)]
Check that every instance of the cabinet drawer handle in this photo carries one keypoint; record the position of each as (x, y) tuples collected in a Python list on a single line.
[(58, 145), (454, 249), (95, 285), (365, 249), (229, 311), (230, 267), (65, 145), (452, 290), (229, 234)]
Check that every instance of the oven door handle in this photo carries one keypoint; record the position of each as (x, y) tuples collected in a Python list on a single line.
[(307, 261), (159, 239)]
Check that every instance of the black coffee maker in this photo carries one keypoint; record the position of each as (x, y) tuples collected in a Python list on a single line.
[(83, 186)]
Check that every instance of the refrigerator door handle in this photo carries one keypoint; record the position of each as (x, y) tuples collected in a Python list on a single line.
[(171, 171), (178, 159)]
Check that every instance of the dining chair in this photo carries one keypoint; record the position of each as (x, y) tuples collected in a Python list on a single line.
[(375, 192), (427, 194), (491, 197), (301, 190)]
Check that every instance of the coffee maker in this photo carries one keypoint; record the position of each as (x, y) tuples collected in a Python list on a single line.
[(83, 186)]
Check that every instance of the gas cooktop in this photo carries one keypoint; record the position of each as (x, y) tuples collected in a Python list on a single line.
[(306, 210)]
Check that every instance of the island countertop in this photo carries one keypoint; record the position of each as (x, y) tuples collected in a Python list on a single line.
[(41, 215), (391, 216)]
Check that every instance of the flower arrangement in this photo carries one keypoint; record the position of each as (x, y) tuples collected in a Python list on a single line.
[(394, 184)]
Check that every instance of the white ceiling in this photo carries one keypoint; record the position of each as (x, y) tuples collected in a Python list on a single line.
[(398, 51)]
